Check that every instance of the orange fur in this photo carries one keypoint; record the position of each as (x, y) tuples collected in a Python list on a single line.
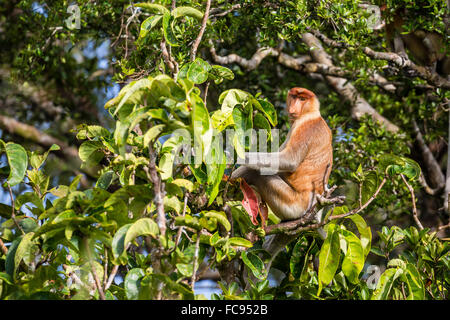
[(290, 193)]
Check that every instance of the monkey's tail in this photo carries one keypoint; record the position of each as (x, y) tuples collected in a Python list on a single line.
[(275, 244)]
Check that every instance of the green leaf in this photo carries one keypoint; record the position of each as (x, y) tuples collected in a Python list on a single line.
[(186, 269), (132, 283), (152, 7), (105, 180), (254, 263), (241, 242), (218, 73), (148, 25), (188, 185), (203, 132), (353, 262), (198, 71), (268, 109), (118, 242), (221, 218), (153, 133), (6, 278), (134, 92), (414, 280), (90, 152), (142, 227), (299, 254), (10, 266), (36, 160), (169, 35), (5, 211), (187, 11), (386, 283), (22, 249), (364, 232), (18, 162), (329, 257)]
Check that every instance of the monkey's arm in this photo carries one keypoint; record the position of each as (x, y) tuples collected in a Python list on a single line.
[(286, 160)]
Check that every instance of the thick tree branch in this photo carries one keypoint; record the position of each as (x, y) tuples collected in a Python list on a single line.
[(335, 76), (434, 169), (360, 106), (432, 78), (32, 134)]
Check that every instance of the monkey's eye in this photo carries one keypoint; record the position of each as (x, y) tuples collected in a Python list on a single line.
[(301, 98)]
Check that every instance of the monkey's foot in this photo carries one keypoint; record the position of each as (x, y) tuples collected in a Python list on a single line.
[(324, 200)]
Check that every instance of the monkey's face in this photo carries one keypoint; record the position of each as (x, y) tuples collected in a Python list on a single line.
[(299, 101)]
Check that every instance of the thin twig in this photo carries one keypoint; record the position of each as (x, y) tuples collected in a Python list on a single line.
[(112, 275), (296, 226), (158, 188), (413, 200), (13, 212), (194, 272), (94, 272), (202, 30)]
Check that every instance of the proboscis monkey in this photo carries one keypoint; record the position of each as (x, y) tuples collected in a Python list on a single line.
[(299, 169)]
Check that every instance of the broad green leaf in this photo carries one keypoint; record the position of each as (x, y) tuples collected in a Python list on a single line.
[(132, 283), (241, 242), (118, 242), (203, 131), (28, 197), (364, 232), (353, 262), (198, 71), (254, 263), (230, 98), (142, 227), (218, 73), (36, 160), (152, 7), (10, 266), (153, 133), (187, 11), (22, 249), (169, 35), (298, 257), (6, 278), (148, 25), (268, 109), (18, 162), (188, 185), (221, 218), (414, 280), (105, 180), (134, 92), (220, 119), (90, 152), (329, 257), (186, 269), (385, 283)]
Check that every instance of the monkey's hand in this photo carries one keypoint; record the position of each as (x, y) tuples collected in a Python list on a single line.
[(238, 173)]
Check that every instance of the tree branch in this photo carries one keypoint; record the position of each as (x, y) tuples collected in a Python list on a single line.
[(296, 226), (202, 30), (413, 200)]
